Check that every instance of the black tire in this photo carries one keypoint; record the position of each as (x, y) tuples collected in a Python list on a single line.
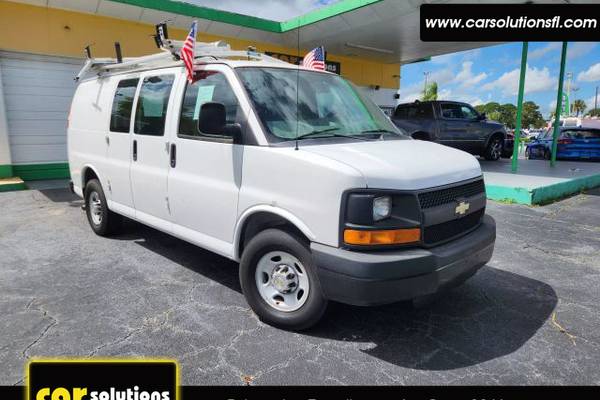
[(314, 306), (547, 154), (493, 150), (105, 222)]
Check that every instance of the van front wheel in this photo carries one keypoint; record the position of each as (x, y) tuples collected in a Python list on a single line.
[(102, 221), (280, 282)]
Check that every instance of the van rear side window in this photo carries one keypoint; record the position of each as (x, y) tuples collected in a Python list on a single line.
[(151, 109), (120, 117)]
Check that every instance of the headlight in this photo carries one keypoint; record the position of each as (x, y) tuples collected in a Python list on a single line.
[(382, 208)]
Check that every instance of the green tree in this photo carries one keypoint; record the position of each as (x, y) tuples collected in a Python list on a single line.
[(494, 116), (594, 112), (505, 113), (491, 107), (431, 92), (531, 116), (480, 108), (508, 115), (579, 106)]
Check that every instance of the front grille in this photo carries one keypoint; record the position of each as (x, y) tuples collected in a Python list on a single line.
[(446, 230), (448, 195)]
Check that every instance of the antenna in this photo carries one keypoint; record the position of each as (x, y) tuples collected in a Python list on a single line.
[(297, 85)]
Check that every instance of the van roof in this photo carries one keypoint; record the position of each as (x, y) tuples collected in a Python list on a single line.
[(202, 60)]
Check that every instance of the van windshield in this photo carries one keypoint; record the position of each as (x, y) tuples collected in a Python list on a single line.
[(327, 105)]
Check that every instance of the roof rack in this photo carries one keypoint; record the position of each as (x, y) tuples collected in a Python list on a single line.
[(170, 52)]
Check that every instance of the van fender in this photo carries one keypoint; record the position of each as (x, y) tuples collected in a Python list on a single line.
[(285, 214), (84, 170)]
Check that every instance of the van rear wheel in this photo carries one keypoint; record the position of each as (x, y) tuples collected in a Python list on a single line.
[(280, 282), (102, 221)]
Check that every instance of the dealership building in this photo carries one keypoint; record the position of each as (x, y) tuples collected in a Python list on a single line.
[(42, 48)]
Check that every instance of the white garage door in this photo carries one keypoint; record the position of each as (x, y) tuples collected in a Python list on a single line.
[(37, 93)]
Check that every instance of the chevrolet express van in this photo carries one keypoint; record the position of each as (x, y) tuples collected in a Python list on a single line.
[(293, 173)]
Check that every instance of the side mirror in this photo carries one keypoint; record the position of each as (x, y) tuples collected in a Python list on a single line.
[(482, 117), (213, 121)]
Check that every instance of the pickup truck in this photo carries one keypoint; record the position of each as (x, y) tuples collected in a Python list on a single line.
[(454, 124)]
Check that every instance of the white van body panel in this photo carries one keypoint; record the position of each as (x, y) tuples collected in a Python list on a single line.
[(204, 186), (88, 125), (149, 172), (118, 160), (303, 183), (215, 186), (403, 164)]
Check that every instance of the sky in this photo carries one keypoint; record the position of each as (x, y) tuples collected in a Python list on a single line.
[(276, 10), (476, 76), (492, 74)]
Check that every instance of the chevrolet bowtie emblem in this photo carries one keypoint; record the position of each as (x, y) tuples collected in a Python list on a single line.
[(462, 208)]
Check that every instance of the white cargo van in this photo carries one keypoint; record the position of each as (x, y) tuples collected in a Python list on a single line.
[(292, 172)]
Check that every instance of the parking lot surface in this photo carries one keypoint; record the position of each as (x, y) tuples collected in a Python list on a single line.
[(531, 316)]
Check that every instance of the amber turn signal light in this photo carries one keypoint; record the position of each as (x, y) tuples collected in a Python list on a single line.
[(388, 236)]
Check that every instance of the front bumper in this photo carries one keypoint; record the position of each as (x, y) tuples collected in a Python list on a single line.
[(371, 278)]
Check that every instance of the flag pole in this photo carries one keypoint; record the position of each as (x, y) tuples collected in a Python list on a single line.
[(563, 57), (517, 139)]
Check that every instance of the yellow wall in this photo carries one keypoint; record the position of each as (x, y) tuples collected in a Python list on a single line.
[(42, 30)]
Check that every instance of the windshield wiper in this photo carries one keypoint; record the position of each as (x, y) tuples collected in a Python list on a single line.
[(382, 131), (329, 134)]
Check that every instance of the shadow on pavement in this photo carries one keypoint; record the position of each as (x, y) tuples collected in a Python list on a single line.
[(62, 195), (493, 314), (593, 192), (194, 258)]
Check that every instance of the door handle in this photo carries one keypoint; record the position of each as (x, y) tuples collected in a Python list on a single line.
[(107, 139), (135, 150), (173, 155)]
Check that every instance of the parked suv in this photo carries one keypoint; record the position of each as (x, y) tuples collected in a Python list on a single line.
[(294, 173), (453, 124)]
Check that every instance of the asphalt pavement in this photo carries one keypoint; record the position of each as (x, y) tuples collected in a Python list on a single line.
[(531, 316)]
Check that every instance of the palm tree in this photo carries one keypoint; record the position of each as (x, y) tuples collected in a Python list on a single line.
[(579, 106), (431, 92)]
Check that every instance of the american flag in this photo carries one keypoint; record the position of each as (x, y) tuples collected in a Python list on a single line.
[(315, 59), (187, 52)]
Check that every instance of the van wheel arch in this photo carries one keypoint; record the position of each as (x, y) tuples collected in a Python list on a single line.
[(87, 175), (263, 220)]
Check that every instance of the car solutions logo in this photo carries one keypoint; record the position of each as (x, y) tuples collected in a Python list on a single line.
[(102, 380)]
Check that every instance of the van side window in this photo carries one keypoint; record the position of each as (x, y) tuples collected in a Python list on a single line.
[(151, 109), (211, 86), (120, 116)]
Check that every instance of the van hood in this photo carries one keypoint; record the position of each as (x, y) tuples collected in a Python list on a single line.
[(402, 164)]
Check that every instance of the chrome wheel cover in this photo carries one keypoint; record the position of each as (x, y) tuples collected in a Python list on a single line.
[(95, 206), (282, 281)]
